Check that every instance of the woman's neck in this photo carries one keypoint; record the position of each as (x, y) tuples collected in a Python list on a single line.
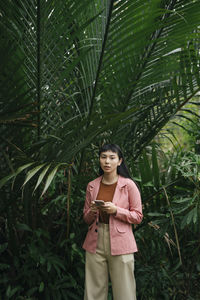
[(110, 178)]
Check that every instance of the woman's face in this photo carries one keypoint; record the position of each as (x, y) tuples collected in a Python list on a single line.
[(109, 161)]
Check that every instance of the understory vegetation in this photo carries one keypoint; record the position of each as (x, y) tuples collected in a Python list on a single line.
[(47, 262)]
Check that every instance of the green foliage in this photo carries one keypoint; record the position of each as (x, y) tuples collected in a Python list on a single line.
[(46, 264), (168, 260), (182, 131), (75, 74), (86, 71)]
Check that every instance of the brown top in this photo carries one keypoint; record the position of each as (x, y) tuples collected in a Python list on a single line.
[(106, 193)]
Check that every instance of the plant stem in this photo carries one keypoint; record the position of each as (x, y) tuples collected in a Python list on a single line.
[(175, 231)]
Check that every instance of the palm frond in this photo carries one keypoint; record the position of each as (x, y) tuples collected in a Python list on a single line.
[(97, 71)]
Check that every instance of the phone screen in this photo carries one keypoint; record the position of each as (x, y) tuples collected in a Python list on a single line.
[(99, 202)]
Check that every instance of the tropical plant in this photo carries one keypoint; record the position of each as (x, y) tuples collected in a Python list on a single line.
[(95, 71), (182, 131), (167, 265)]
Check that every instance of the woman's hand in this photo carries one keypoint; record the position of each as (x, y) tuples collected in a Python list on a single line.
[(93, 207), (110, 208)]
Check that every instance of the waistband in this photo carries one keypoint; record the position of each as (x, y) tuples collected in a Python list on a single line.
[(103, 224)]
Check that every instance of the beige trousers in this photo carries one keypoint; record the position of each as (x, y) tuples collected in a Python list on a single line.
[(100, 265)]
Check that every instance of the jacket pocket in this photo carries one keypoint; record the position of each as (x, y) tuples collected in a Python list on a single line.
[(121, 227)]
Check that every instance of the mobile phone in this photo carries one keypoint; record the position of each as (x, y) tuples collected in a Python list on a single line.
[(99, 202)]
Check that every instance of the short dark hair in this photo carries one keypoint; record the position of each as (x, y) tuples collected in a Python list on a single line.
[(122, 169)]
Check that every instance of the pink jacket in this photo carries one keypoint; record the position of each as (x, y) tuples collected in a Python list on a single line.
[(129, 211)]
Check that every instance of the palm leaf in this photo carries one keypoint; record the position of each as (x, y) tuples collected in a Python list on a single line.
[(98, 71)]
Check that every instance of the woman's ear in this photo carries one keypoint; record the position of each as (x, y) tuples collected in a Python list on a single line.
[(120, 161)]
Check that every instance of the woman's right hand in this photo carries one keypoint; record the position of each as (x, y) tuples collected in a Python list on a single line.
[(93, 207)]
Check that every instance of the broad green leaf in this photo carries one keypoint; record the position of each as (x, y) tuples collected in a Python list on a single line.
[(150, 184), (11, 291), (19, 170), (50, 178), (43, 173), (195, 215), (155, 214), (41, 287), (182, 200), (32, 172), (25, 227), (188, 217)]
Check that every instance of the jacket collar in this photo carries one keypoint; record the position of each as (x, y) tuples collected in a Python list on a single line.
[(122, 181), (94, 187)]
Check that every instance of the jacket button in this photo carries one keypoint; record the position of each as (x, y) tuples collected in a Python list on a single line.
[(96, 230)]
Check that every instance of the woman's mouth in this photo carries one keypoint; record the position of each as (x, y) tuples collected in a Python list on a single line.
[(106, 167)]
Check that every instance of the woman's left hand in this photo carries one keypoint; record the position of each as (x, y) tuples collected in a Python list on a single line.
[(110, 208)]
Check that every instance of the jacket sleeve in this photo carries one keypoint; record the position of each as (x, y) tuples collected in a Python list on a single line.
[(88, 216), (134, 214)]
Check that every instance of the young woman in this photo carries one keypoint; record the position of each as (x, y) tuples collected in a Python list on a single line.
[(112, 204)]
